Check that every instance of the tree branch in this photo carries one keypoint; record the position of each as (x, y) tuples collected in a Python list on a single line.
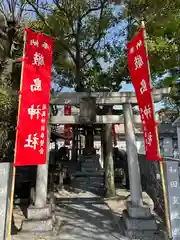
[(12, 7), (68, 15), (100, 33), (50, 29), (40, 15), (90, 10), (20, 12)]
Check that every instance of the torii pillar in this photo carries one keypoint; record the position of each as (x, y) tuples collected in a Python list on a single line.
[(132, 157), (137, 218), (40, 216)]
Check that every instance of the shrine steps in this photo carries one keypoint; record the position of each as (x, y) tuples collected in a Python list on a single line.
[(91, 176)]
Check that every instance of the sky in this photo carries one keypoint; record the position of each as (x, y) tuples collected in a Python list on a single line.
[(111, 36), (130, 88)]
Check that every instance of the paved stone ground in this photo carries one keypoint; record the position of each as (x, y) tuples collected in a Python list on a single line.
[(85, 216), (82, 216)]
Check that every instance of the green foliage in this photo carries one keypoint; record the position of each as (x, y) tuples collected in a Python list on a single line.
[(82, 47), (162, 27), (163, 38), (8, 106), (10, 69)]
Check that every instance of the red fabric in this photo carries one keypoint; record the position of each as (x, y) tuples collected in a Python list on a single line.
[(114, 134), (67, 127), (34, 100), (138, 68)]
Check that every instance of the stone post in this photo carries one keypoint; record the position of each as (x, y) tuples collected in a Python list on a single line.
[(178, 138), (102, 147), (88, 117), (132, 156), (42, 180), (88, 110), (168, 146), (176, 124), (109, 162), (137, 218), (41, 185), (40, 219)]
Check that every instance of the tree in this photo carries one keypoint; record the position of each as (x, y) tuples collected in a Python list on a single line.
[(83, 44), (162, 27), (81, 32), (11, 35), (163, 39)]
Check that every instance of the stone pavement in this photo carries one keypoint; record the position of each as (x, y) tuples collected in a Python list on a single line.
[(85, 216), (82, 216), (86, 220)]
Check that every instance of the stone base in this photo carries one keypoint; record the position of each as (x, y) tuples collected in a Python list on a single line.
[(138, 211), (29, 236), (145, 235), (38, 225), (39, 213), (40, 222), (36, 235), (139, 222)]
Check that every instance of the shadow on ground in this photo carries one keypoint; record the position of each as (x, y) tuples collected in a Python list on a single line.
[(86, 218)]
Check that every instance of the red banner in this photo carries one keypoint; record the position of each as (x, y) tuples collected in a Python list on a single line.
[(138, 68), (67, 127), (31, 136)]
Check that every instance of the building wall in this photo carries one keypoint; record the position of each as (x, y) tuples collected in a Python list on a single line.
[(121, 144), (168, 145)]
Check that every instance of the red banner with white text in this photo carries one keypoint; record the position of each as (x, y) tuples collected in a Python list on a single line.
[(31, 135), (139, 72), (67, 127)]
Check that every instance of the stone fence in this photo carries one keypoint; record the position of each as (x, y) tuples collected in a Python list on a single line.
[(151, 183)]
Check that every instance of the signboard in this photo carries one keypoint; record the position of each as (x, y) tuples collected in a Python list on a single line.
[(139, 72), (5, 194), (173, 190), (31, 137)]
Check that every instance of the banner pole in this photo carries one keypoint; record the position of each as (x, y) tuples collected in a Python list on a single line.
[(161, 162), (14, 168)]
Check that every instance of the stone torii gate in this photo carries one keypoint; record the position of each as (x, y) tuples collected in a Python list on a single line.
[(88, 102)]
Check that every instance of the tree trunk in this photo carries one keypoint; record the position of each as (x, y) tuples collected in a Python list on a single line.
[(109, 162)]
